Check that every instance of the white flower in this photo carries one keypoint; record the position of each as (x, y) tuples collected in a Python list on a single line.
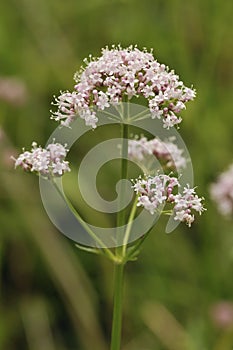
[(183, 216), (148, 91), (102, 101), (91, 120), (57, 151), (59, 168), (171, 120)]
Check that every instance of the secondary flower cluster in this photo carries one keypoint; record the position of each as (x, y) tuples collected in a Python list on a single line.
[(166, 151), (118, 75), (154, 191), (222, 192), (47, 162)]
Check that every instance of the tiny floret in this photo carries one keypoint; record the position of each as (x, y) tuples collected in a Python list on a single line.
[(47, 162)]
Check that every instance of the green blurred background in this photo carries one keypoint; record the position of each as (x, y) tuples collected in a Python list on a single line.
[(54, 296)]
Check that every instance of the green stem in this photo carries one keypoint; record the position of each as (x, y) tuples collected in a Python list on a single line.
[(129, 226), (119, 268), (107, 252), (124, 163), (117, 309), (138, 245)]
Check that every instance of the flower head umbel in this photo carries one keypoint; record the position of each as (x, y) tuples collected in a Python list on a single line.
[(118, 75), (222, 192), (47, 162), (166, 152), (154, 191)]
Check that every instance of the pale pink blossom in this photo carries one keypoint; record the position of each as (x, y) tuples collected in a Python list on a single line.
[(185, 203), (118, 75), (165, 151), (222, 314), (222, 192), (154, 191), (47, 162), (13, 91)]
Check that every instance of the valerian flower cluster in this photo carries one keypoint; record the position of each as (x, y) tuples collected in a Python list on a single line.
[(165, 151), (222, 192), (47, 162), (119, 75), (155, 191)]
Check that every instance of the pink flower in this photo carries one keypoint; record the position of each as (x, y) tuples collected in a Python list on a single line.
[(185, 203), (222, 314), (154, 191), (45, 162), (222, 192), (119, 74), (13, 91), (166, 152)]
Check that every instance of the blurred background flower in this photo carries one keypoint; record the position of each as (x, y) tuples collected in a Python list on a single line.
[(222, 192), (13, 91), (45, 291), (222, 314)]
